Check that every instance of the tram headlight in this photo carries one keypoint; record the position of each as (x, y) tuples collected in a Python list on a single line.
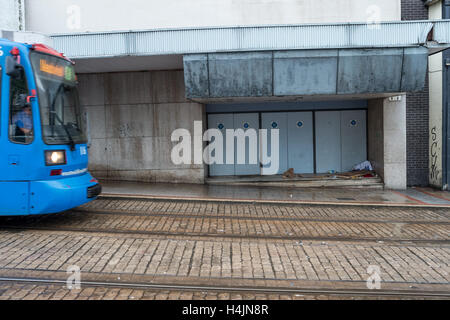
[(55, 157)]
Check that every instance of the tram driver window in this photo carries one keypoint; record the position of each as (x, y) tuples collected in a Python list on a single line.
[(21, 118)]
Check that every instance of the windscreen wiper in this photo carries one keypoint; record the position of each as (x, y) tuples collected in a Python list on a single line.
[(52, 111), (71, 142)]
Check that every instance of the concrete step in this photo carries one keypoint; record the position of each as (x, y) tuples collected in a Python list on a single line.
[(371, 183)]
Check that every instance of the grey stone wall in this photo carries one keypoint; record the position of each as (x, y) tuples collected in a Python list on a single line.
[(131, 116)]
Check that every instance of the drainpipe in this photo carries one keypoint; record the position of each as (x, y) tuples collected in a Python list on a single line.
[(13, 26), (12, 16), (20, 5), (446, 106)]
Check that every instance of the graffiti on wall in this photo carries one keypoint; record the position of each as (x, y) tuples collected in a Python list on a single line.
[(434, 172)]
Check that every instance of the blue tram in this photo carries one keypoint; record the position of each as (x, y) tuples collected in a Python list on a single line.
[(43, 157)]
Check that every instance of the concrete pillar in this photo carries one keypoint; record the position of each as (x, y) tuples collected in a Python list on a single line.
[(387, 140), (394, 130)]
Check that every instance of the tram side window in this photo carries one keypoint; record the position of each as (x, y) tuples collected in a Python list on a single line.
[(21, 118)]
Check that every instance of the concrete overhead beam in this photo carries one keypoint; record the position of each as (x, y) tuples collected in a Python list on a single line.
[(305, 72)]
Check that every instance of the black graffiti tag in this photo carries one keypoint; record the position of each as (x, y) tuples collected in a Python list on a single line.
[(434, 154)]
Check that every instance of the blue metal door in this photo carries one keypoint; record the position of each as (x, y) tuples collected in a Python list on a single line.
[(221, 122), (246, 121), (276, 120), (353, 138), (300, 144), (328, 141)]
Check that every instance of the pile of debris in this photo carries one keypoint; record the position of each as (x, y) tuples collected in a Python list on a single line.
[(356, 174), (362, 170), (289, 174)]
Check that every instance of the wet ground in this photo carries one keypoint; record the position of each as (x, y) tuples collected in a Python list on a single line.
[(411, 196)]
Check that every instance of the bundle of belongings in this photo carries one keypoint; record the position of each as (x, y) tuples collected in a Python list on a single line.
[(366, 165), (361, 170)]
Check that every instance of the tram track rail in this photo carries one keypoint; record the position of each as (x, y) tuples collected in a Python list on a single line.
[(229, 236), (238, 289), (266, 218), (340, 203), (257, 210), (164, 218)]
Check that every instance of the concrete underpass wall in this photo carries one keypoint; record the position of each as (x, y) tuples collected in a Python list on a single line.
[(131, 116)]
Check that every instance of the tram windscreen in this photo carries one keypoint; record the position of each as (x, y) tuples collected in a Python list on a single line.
[(58, 100)]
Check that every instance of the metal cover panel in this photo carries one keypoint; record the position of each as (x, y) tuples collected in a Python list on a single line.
[(246, 121), (196, 75), (221, 122), (240, 74), (276, 120), (314, 72), (328, 141), (300, 142), (306, 72), (365, 71), (353, 138), (415, 63)]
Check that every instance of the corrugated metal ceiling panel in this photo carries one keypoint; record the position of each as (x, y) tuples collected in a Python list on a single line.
[(255, 38)]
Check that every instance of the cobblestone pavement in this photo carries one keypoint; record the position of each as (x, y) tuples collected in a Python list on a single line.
[(183, 242)]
